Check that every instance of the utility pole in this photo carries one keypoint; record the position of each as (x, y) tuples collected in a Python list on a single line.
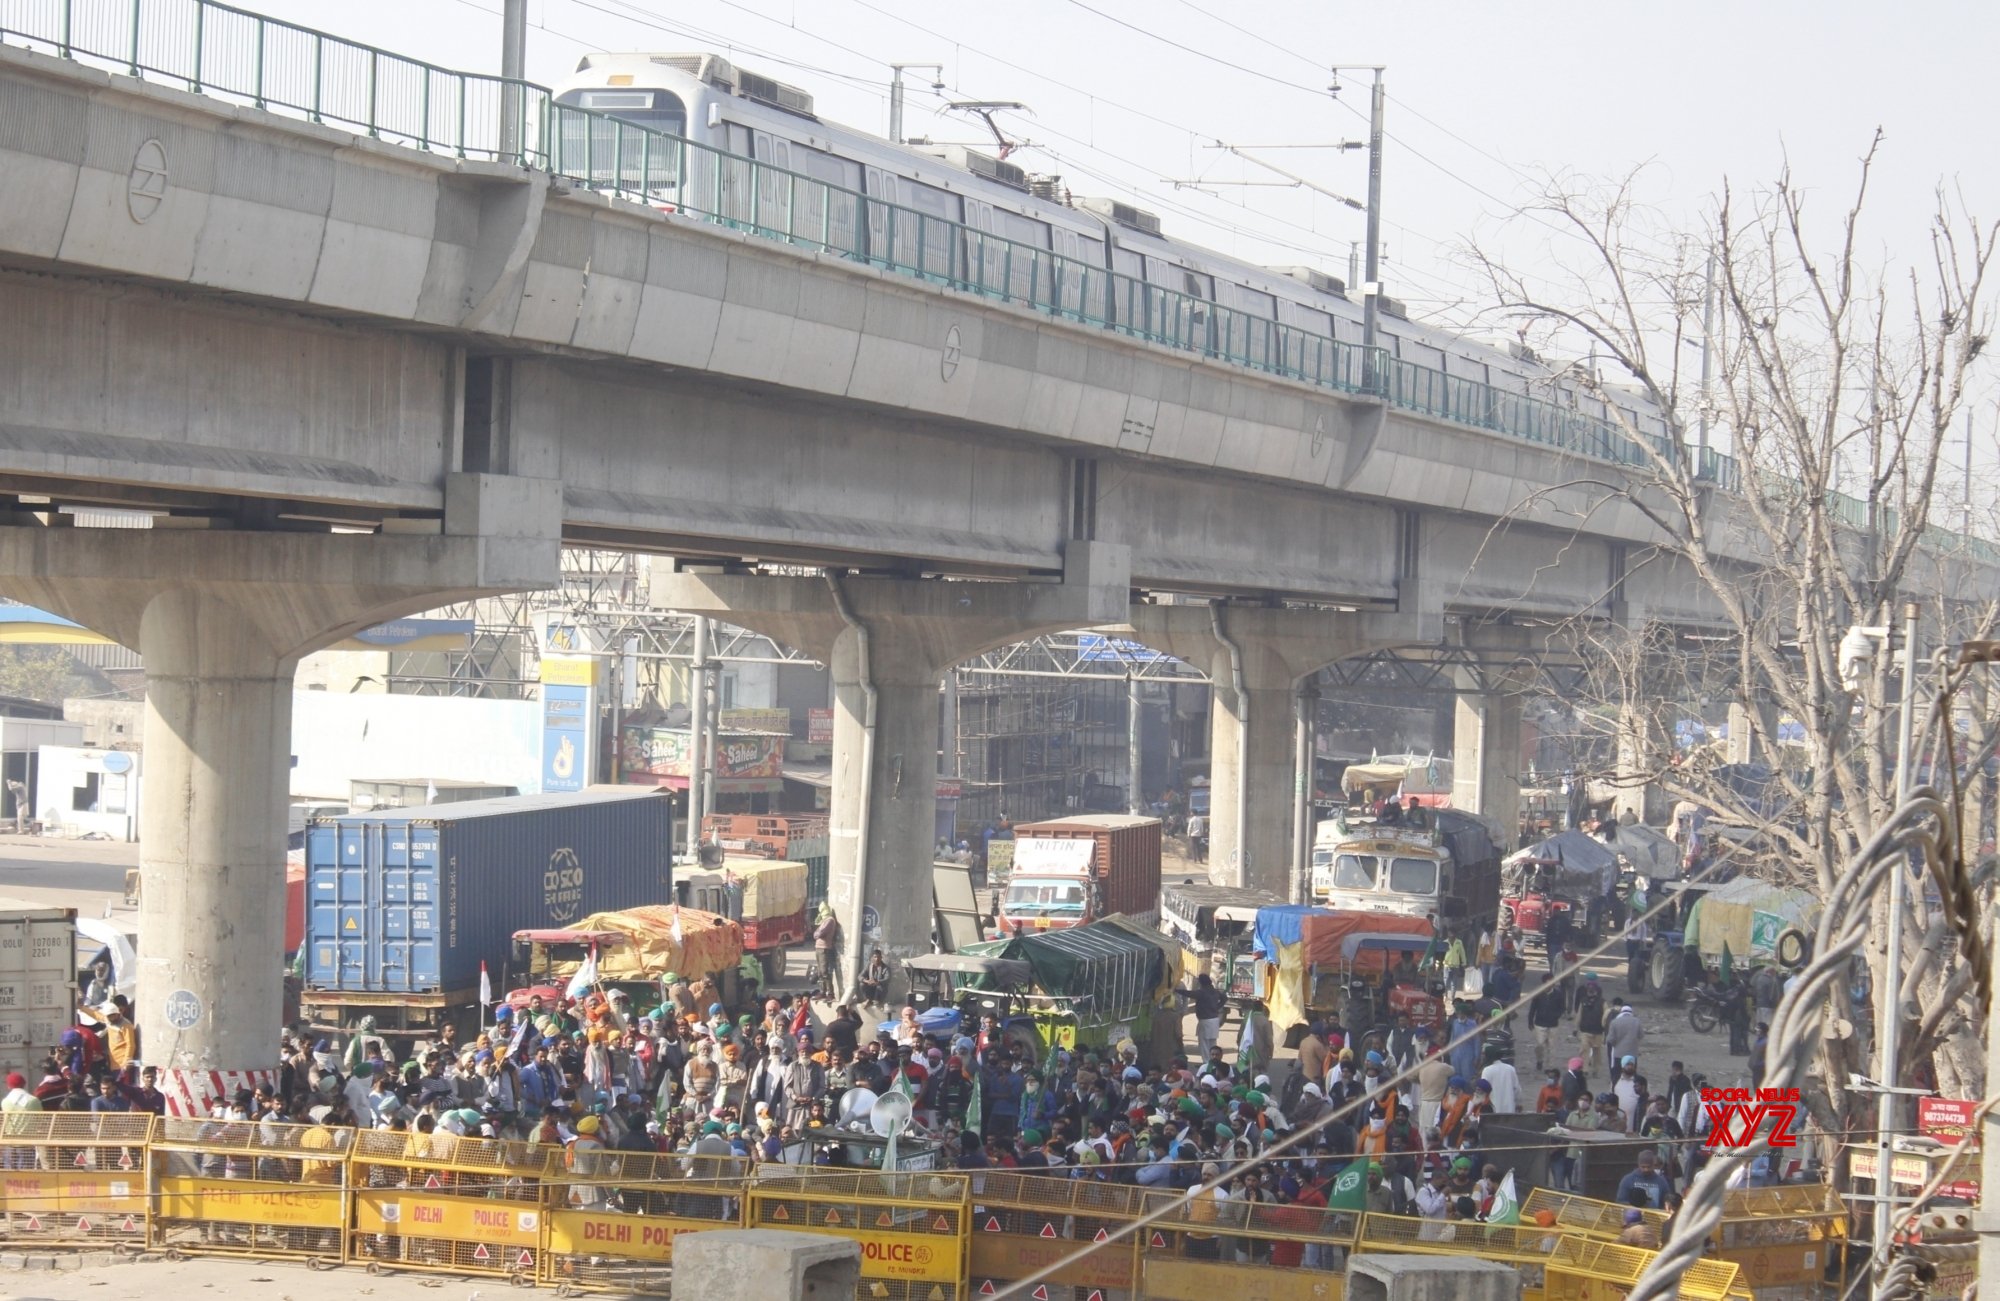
[(896, 93), (1371, 285), (1707, 345), (513, 71), (697, 709), (1305, 746)]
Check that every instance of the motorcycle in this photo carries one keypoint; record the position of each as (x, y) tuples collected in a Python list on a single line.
[(1706, 1009)]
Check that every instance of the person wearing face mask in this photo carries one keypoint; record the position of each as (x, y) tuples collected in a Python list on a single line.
[(1380, 1109)]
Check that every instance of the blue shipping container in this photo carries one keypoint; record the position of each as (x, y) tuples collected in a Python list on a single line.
[(411, 901)]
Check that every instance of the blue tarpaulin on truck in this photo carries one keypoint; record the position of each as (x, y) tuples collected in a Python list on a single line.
[(1280, 925)]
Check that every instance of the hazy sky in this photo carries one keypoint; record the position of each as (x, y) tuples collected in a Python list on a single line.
[(1482, 98)]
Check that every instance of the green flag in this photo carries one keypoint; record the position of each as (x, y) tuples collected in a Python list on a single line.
[(1506, 1203), (1727, 965), (1350, 1187)]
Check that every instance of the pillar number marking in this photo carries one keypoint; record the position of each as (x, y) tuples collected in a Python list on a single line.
[(183, 1009), (146, 185), (954, 352)]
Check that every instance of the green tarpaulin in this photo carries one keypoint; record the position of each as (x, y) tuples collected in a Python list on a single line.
[(1114, 963)]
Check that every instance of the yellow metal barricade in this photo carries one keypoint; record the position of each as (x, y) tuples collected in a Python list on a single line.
[(1023, 1223), (73, 1179), (613, 1217), (1586, 1215), (441, 1202), (911, 1226), (1206, 1249), (1585, 1269), (1784, 1239), (249, 1188)]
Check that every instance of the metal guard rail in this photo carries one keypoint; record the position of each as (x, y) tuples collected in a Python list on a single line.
[(226, 52)]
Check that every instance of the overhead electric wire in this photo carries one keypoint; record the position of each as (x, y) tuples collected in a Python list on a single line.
[(1264, 77), (1261, 40)]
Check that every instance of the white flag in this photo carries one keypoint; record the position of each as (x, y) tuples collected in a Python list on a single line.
[(585, 976), (679, 936), (485, 988)]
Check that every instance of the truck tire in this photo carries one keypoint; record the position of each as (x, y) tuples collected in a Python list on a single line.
[(1667, 974), (1794, 948)]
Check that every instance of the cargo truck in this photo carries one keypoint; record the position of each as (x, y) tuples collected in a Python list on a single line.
[(404, 905), (766, 897), (789, 837), (1070, 871), (37, 985)]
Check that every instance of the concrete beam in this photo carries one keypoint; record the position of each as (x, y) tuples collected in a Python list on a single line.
[(221, 620), (888, 649)]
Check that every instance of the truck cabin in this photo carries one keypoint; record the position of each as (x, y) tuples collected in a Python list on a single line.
[(720, 893), (1047, 901), (976, 985), (1404, 874), (537, 953)]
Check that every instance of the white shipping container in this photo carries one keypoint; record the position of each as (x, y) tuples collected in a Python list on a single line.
[(37, 984)]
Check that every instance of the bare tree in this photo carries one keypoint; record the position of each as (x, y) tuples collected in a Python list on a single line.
[(1837, 384)]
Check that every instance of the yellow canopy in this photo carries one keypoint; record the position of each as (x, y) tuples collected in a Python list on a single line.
[(709, 944), (770, 888)]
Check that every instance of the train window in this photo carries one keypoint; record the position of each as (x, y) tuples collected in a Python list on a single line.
[(660, 109), (827, 212), (775, 192), (1084, 289), (1422, 354), (1245, 299), (936, 258)]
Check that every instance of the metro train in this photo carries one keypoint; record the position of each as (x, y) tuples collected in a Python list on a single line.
[(707, 100)]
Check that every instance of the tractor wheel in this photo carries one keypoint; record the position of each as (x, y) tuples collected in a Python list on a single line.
[(1668, 977)]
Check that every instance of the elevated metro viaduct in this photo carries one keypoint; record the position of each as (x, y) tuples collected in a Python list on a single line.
[(355, 379)]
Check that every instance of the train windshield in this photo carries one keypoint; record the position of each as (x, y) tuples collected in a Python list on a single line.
[(661, 110)]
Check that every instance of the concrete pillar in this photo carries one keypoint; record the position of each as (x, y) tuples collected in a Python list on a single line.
[(1252, 731), (211, 832), (222, 619), (1250, 750), (893, 908), (1486, 757), (900, 637)]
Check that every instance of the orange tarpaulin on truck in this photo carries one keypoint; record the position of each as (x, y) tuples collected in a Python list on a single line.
[(1323, 936), (708, 943)]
